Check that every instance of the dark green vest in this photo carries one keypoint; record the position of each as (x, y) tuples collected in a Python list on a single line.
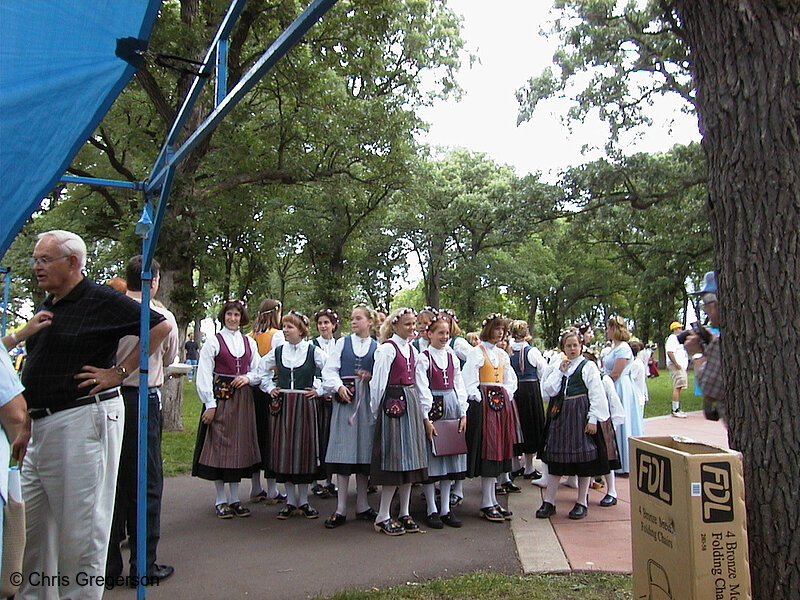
[(303, 375), (575, 383)]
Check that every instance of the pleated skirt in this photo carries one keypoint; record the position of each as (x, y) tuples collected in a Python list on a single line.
[(227, 449), (491, 434), (352, 433), (446, 467), (294, 440), (568, 449), (531, 417), (399, 452), (324, 411)]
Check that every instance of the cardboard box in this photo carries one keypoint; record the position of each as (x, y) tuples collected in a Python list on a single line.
[(688, 522)]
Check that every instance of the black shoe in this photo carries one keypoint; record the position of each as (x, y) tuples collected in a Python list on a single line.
[(389, 527), (335, 520), (320, 491), (510, 488), (578, 511), (518, 473), (368, 515), (545, 510), (608, 500), (490, 513), (286, 512), (224, 511), (154, 576), (308, 512), (451, 520), (239, 510), (507, 514), (500, 490), (409, 524), (455, 500), (434, 521), (275, 500), (534, 475)]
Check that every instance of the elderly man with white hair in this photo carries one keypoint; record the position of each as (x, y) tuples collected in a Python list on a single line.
[(72, 384)]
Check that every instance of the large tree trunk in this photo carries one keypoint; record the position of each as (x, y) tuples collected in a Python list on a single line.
[(746, 60)]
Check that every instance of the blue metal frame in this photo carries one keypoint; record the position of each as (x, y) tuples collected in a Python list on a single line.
[(128, 185)]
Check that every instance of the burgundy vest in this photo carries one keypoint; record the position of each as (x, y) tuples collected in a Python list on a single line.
[(401, 372), (436, 376), (225, 362)]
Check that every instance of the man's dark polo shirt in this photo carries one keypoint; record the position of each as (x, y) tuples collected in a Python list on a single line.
[(88, 323)]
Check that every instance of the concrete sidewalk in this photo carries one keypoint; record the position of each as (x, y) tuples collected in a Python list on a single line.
[(601, 541)]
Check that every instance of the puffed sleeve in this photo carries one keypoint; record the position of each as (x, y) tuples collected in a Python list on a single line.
[(615, 408), (471, 373), (205, 372), (509, 374), (320, 356), (552, 383), (423, 383), (278, 339), (265, 367), (384, 355), (598, 402), (331, 380), (537, 361), (462, 347), (461, 390), (253, 373)]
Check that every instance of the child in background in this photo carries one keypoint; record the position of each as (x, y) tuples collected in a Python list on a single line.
[(423, 320), (443, 396), (327, 322), (399, 453)]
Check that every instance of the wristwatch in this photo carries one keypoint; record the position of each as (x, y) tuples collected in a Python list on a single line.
[(121, 371)]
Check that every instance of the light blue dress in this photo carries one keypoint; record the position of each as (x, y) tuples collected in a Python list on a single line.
[(10, 387), (634, 417)]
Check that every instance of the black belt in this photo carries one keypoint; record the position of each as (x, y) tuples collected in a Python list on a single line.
[(38, 413)]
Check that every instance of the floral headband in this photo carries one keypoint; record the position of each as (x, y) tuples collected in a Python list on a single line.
[(436, 318), (449, 313), (568, 331), (300, 316), (430, 309), (402, 313), (583, 327), (327, 312), (236, 301), (491, 317), (271, 310)]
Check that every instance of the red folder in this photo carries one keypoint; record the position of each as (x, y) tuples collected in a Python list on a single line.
[(448, 441)]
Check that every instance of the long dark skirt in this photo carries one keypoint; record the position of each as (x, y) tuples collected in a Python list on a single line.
[(399, 453), (324, 411), (568, 449), (227, 449), (477, 466), (531, 417), (294, 440), (261, 404)]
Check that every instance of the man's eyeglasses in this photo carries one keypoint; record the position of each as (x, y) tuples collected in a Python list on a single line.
[(44, 260)]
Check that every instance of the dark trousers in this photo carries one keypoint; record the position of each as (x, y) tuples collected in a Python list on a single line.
[(124, 522)]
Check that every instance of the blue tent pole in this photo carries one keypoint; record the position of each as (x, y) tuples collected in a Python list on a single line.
[(6, 286)]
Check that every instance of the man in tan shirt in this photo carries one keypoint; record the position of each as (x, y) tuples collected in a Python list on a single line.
[(125, 505)]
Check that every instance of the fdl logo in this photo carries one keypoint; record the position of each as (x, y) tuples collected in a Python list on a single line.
[(717, 492), (654, 475)]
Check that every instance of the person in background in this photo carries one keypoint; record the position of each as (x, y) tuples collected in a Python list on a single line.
[(327, 322), (192, 354), (677, 363), (124, 521)]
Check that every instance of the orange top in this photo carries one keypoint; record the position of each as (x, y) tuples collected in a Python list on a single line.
[(488, 372), (264, 340)]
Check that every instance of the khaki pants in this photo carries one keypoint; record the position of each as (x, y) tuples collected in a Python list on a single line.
[(68, 482)]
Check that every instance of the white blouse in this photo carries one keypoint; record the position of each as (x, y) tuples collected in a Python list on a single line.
[(331, 380), (384, 357), (472, 368), (292, 357), (326, 345), (462, 347), (533, 356), (423, 383), (598, 402), (205, 364)]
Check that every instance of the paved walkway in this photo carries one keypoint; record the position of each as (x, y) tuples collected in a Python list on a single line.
[(601, 541), (262, 557)]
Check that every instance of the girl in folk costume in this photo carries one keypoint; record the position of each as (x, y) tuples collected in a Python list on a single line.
[(293, 426), (399, 454), (530, 366), (267, 334), (574, 444), (327, 322), (618, 364), (347, 372), (227, 442), (423, 320), (443, 396), (492, 419)]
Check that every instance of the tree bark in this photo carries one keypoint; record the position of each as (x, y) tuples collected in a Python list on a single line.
[(746, 62)]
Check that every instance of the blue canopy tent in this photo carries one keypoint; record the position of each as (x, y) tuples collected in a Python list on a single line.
[(62, 64)]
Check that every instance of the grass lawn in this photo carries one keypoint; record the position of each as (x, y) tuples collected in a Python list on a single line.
[(571, 586), (660, 389)]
